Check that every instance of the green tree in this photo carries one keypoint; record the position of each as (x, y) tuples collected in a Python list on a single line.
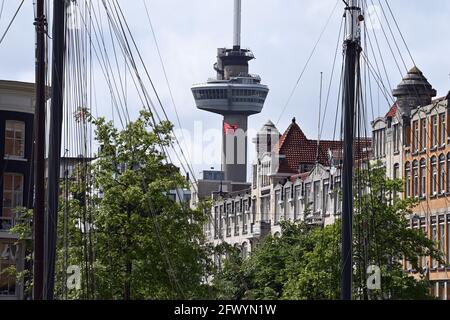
[(382, 237), (138, 243)]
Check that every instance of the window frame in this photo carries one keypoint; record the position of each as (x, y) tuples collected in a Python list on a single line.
[(22, 128), (15, 194), (434, 176), (407, 179)]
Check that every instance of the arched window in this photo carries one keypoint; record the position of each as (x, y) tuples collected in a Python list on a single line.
[(415, 178), (408, 179), (434, 177), (442, 173)]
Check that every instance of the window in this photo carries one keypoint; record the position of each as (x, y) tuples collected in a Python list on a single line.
[(337, 201), (423, 137), (415, 138), (433, 175), (12, 193), (396, 175), (15, 139), (448, 240), (448, 172), (434, 132), (326, 189), (396, 172), (375, 144), (442, 173), (253, 209), (434, 239), (287, 205), (423, 178), (238, 217), (265, 208), (307, 196), (316, 196), (408, 180), (297, 201), (423, 228), (277, 206), (244, 250), (442, 239), (245, 217), (396, 137), (416, 178), (265, 171), (443, 129), (230, 218), (379, 139), (255, 176), (216, 222), (8, 252), (221, 220)]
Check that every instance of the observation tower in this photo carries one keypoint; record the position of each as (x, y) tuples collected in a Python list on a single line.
[(235, 94)]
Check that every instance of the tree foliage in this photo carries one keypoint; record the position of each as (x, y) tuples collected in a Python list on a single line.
[(118, 224)]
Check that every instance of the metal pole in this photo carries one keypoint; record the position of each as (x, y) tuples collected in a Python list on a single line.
[(55, 131), (39, 156), (237, 23), (352, 51)]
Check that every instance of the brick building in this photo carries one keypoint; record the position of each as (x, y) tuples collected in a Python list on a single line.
[(413, 142)]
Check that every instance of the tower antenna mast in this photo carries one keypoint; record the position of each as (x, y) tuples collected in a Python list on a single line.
[(237, 23)]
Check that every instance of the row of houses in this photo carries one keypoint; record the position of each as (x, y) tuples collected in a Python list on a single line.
[(295, 178)]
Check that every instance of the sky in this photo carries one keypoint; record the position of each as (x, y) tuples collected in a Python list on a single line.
[(281, 34)]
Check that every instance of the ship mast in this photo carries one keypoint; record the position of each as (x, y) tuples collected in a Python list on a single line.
[(352, 46), (55, 132), (39, 153)]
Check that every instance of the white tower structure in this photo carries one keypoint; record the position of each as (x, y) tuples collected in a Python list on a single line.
[(236, 94)]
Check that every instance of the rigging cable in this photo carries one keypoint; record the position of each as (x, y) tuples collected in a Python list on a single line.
[(307, 62), (11, 22)]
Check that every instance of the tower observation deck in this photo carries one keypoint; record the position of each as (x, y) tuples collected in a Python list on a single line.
[(236, 94)]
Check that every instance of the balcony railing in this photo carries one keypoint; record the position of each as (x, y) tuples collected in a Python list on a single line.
[(314, 218), (6, 223)]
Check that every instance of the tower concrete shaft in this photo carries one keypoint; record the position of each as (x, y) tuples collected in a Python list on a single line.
[(234, 147)]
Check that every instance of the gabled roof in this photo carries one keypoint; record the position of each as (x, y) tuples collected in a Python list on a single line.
[(298, 149), (392, 111)]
